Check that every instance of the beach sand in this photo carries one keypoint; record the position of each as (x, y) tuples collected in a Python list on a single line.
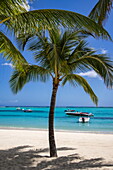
[(27, 149)]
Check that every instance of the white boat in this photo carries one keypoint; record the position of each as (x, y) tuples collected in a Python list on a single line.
[(69, 110), (76, 113), (18, 108), (84, 119)]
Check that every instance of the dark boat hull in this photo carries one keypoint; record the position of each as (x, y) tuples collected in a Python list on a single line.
[(78, 114)]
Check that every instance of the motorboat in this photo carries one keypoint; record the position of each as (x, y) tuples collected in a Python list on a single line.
[(19, 109), (84, 119), (69, 110), (76, 113)]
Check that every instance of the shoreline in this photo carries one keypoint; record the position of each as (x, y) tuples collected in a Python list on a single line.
[(56, 130)]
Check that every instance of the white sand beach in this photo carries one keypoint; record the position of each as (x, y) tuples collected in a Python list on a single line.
[(22, 149)]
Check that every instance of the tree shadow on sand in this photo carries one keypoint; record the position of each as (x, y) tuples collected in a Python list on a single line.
[(25, 158)]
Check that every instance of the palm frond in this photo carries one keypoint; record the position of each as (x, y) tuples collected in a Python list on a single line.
[(10, 52), (23, 40), (101, 64), (51, 18), (75, 80), (10, 8), (17, 81), (29, 73), (101, 10), (36, 73), (79, 50)]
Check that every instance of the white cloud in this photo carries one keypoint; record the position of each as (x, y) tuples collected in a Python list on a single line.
[(91, 74), (8, 64), (103, 51)]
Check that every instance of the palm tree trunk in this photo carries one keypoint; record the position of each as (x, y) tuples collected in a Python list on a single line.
[(52, 145)]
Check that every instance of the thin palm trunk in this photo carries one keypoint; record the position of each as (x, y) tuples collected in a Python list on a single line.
[(52, 145)]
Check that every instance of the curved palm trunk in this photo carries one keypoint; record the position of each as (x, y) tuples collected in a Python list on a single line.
[(52, 145)]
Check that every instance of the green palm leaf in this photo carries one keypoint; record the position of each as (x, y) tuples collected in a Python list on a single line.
[(10, 8), (49, 18), (10, 52), (101, 64), (101, 11), (26, 74), (75, 80)]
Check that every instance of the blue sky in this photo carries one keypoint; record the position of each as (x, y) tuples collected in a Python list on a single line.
[(39, 94)]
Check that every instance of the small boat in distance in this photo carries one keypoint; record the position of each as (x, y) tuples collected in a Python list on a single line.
[(24, 110), (69, 110), (76, 113), (84, 119), (18, 108)]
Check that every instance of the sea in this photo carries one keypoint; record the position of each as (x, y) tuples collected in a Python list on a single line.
[(101, 122)]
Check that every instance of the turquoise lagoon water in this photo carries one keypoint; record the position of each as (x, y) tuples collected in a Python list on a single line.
[(38, 118)]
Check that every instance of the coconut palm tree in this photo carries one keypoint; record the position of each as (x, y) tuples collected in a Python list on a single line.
[(61, 56), (101, 11)]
